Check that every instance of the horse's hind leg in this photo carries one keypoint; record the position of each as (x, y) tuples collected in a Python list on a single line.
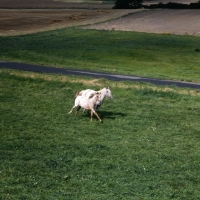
[(91, 115), (77, 110), (71, 110)]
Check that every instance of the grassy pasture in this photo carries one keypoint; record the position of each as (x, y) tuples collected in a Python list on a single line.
[(150, 55), (148, 146)]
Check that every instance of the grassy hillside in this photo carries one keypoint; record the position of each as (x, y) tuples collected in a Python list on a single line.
[(148, 146), (142, 54)]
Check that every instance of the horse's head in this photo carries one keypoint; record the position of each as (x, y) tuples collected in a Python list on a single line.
[(108, 93)]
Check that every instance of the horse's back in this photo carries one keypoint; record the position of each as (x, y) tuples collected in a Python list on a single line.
[(86, 93)]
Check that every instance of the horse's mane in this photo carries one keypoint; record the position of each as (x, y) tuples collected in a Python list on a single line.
[(95, 93), (91, 95)]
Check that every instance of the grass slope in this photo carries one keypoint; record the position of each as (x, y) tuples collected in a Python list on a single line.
[(142, 54), (147, 148)]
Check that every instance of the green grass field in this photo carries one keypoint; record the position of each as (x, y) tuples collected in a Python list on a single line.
[(150, 55), (148, 146)]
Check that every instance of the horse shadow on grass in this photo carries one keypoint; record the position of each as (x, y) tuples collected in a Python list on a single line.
[(107, 114)]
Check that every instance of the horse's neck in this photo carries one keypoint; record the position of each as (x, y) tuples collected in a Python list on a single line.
[(94, 98)]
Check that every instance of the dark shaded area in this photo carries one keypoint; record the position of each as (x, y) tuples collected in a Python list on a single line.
[(171, 5), (110, 115), (102, 114), (135, 4), (128, 4)]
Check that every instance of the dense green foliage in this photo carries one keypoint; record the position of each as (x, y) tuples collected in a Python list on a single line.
[(134, 4), (173, 5), (151, 55), (127, 4), (147, 148)]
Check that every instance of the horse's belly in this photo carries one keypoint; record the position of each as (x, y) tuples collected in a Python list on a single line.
[(85, 105)]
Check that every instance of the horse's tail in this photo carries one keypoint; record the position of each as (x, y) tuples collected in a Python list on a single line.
[(77, 94)]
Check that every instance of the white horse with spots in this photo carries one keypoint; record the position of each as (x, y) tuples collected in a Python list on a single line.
[(105, 92), (86, 103)]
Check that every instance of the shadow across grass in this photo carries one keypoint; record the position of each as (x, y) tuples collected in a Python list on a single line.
[(103, 114), (110, 114)]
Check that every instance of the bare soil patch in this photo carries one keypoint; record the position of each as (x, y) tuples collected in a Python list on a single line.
[(23, 21), (182, 22), (41, 15), (42, 4), (28, 16), (17, 21)]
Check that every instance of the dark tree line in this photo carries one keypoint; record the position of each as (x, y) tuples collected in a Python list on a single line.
[(126, 4), (129, 4)]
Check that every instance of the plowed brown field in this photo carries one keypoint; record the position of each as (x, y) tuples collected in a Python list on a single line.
[(17, 21), (26, 17), (182, 22)]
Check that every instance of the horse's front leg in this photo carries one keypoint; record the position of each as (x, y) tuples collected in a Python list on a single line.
[(93, 111)]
